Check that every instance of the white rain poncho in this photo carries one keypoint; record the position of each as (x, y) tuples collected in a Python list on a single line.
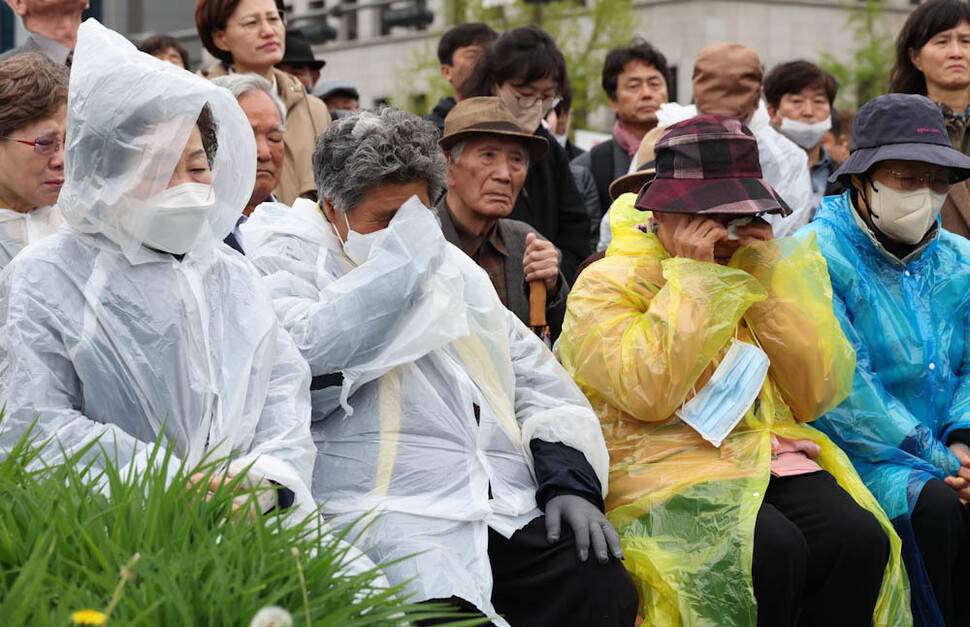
[(783, 164), (421, 339), (17, 230), (107, 339)]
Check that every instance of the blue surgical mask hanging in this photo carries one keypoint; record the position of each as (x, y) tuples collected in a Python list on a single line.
[(719, 406)]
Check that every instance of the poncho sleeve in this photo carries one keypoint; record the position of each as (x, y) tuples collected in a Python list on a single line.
[(38, 382), (812, 362), (345, 322), (875, 426), (958, 416), (641, 329)]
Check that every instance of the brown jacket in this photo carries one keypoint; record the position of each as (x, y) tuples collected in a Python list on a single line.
[(956, 210), (306, 117)]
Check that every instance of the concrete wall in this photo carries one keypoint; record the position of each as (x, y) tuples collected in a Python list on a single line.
[(380, 66), (776, 29)]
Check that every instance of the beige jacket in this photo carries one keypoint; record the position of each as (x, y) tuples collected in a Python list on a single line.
[(306, 117)]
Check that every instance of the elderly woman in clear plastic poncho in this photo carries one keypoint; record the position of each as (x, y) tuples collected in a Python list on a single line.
[(136, 324), (704, 345), (432, 403)]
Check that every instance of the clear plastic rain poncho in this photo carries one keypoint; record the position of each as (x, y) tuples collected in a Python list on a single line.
[(17, 230), (420, 339), (107, 339), (910, 328), (644, 331)]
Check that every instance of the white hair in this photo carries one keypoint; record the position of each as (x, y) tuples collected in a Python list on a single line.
[(457, 149), (241, 84), (455, 152), (369, 148)]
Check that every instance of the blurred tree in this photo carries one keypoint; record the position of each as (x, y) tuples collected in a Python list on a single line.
[(866, 74), (583, 31)]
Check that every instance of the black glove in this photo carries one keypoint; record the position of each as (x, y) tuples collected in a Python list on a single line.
[(588, 523)]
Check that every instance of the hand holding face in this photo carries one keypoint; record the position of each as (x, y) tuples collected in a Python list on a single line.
[(691, 236), (541, 262), (755, 231)]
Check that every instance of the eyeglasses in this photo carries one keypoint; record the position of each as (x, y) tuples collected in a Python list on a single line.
[(938, 182), (42, 146), (252, 23), (527, 102)]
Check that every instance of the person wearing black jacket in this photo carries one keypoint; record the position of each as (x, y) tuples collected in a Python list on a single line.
[(527, 71), (635, 79)]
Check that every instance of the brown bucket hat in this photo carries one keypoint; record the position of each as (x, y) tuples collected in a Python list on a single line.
[(487, 116)]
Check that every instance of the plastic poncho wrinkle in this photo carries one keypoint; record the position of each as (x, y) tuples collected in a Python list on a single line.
[(129, 118), (18, 230), (686, 510)]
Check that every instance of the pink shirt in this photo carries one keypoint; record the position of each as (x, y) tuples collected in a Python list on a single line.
[(793, 457)]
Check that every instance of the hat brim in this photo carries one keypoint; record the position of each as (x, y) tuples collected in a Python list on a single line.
[(861, 159), (537, 146), (313, 63), (740, 196), (631, 183)]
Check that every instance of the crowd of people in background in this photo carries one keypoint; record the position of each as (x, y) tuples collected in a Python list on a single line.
[(714, 370)]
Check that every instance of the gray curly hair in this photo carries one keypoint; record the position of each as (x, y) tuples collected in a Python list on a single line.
[(370, 148)]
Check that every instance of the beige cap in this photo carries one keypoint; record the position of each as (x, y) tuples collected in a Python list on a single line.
[(727, 80)]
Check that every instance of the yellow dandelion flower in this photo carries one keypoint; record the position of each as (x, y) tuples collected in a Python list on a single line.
[(88, 617)]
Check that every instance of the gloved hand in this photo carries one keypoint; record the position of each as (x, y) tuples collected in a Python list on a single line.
[(588, 523)]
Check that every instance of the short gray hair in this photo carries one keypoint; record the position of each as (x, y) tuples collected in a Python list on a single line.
[(457, 149), (241, 84), (370, 148), (455, 152)]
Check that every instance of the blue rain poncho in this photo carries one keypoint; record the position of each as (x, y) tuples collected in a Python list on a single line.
[(908, 325)]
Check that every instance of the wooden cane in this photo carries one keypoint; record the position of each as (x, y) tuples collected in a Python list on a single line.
[(537, 311)]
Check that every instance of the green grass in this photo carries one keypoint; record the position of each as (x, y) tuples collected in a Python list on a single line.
[(64, 542)]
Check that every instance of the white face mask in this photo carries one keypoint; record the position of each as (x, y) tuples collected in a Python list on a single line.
[(807, 136), (528, 119), (358, 245), (174, 218), (561, 139), (905, 216)]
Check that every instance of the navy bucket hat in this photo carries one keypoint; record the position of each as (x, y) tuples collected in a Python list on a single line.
[(901, 126)]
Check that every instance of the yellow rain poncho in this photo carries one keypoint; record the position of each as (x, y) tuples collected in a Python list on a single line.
[(643, 332)]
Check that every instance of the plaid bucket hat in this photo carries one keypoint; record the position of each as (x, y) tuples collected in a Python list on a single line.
[(709, 164)]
